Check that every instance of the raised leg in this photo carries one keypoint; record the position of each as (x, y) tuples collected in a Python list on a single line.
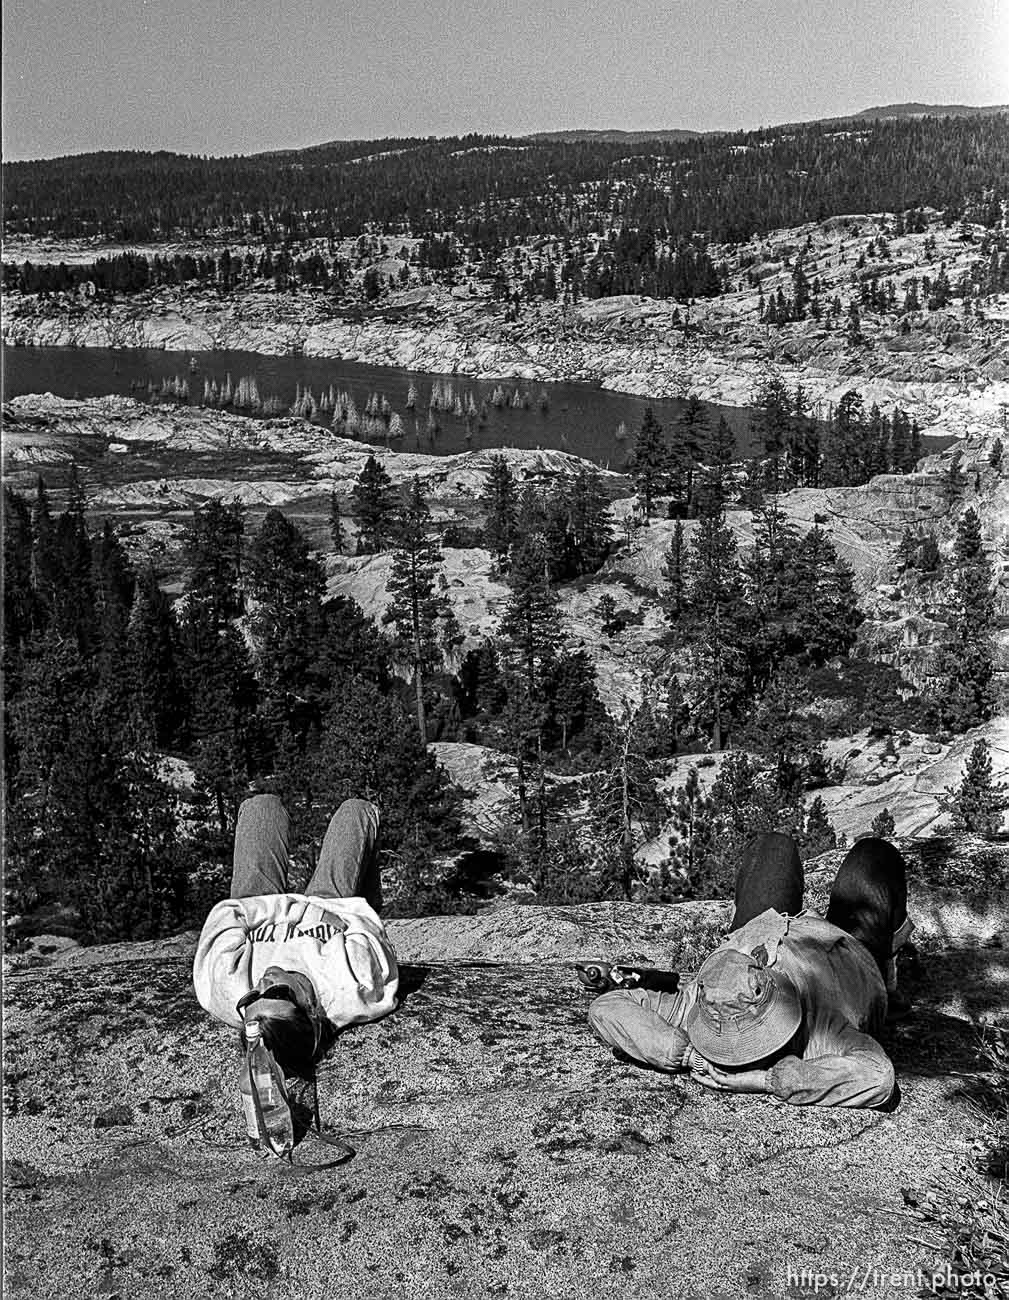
[(262, 837), (348, 859), (869, 897), (769, 875)]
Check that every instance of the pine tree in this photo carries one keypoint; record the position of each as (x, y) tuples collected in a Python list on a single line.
[(22, 611), (968, 546), (286, 585), (843, 454), (883, 826), (573, 704), (214, 555), (827, 616), (719, 455), (375, 506), (113, 582), (677, 715), (625, 808), (692, 831), (979, 803), (964, 692), (716, 666), (747, 801), (95, 828), (770, 424), (689, 436), (854, 323), (220, 687), (718, 613), (500, 502), (555, 530), (50, 721), (483, 682), (73, 601), (674, 570), (816, 834), (215, 665), (589, 520), (805, 451), (649, 464), (715, 573), (156, 689), (44, 568), (770, 572), (529, 635), (530, 626), (902, 458), (419, 609), (368, 750)]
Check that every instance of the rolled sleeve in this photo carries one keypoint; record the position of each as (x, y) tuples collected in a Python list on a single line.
[(858, 1075), (642, 1023)]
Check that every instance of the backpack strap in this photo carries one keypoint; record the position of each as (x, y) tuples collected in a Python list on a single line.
[(330, 1139)]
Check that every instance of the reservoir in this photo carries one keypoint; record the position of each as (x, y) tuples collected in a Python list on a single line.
[(575, 417)]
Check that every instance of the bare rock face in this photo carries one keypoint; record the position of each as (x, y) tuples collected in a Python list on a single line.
[(499, 1150), (482, 774), (476, 597)]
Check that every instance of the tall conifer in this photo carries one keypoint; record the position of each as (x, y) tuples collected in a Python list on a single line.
[(419, 608)]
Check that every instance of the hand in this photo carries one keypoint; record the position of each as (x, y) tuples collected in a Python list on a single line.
[(701, 1070), (717, 1080)]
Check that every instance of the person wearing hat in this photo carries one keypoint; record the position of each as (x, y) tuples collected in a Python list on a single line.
[(790, 1003), (322, 958)]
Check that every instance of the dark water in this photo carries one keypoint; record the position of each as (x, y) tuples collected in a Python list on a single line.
[(579, 418)]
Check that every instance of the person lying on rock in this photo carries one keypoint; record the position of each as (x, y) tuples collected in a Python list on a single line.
[(790, 1001), (323, 956)]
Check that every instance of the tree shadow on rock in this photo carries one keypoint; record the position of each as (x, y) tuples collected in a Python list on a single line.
[(953, 991)]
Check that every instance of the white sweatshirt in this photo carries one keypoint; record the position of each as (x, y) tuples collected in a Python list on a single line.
[(339, 943)]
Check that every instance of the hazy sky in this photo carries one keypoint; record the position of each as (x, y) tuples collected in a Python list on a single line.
[(202, 76)]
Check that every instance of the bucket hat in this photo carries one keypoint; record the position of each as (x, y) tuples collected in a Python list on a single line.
[(744, 1011)]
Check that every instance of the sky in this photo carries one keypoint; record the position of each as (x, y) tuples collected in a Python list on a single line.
[(209, 77)]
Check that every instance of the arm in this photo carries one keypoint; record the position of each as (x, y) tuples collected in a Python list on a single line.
[(644, 1024), (222, 967), (856, 1073), (711, 1076)]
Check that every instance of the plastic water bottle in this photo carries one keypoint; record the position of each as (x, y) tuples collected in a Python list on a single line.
[(257, 1077)]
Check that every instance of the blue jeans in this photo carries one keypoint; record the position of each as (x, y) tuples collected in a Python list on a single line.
[(348, 860)]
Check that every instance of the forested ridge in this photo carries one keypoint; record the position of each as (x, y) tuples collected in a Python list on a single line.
[(488, 190), (254, 679)]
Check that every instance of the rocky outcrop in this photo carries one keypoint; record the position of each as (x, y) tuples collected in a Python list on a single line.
[(476, 596), (36, 427), (909, 783), (499, 1150)]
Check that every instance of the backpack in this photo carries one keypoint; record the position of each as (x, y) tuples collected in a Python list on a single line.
[(266, 1098)]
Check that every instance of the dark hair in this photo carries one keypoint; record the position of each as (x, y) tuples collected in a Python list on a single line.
[(294, 1040)]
